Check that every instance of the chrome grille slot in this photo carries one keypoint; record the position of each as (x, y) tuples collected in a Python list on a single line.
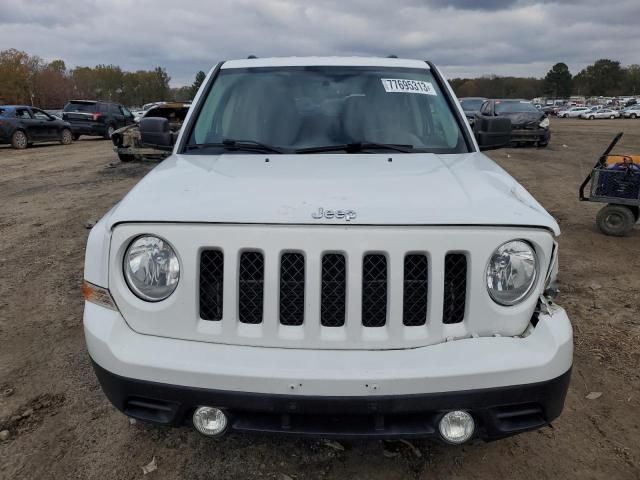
[(334, 290), (374, 290), (416, 285), (455, 288), (251, 287), (211, 284), (292, 285)]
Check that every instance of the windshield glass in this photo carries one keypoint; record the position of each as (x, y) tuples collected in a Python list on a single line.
[(294, 108), (80, 107), (514, 107), (471, 104)]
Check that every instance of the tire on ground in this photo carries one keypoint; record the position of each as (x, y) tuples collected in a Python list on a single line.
[(616, 220), (125, 157), (19, 140), (66, 137)]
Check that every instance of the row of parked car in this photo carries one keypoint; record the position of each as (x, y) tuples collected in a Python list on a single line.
[(591, 113), (529, 125), (23, 125)]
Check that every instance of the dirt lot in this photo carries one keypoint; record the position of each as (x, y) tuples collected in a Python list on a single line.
[(61, 426)]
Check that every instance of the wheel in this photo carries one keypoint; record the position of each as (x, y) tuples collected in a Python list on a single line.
[(633, 115), (543, 144), (124, 157), (19, 140), (615, 220), (612, 117), (591, 117), (76, 136), (110, 130), (66, 138)]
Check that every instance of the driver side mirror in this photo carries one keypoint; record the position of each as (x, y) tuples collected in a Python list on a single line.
[(492, 132), (155, 132)]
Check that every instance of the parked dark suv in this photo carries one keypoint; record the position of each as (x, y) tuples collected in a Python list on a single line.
[(91, 117), (528, 124), (21, 125)]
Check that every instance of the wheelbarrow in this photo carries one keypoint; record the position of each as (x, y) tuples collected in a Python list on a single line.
[(615, 180)]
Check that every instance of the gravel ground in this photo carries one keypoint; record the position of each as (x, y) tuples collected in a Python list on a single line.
[(56, 423)]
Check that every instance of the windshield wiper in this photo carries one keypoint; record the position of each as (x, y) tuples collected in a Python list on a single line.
[(358, 147), (230, 144)]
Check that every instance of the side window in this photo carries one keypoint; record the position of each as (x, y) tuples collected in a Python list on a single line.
[(125, 111), (23, 113), (485, 109), (39, 114)]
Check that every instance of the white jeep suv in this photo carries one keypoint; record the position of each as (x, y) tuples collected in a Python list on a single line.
[(328, 253)]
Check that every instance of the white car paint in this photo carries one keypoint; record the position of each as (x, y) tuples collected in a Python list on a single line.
[(573, 112), (426, 202)]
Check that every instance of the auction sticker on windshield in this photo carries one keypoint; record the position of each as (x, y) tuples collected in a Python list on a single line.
[(399, 85)]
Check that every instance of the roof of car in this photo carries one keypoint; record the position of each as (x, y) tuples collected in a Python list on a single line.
[(13, 107), (325, 61)]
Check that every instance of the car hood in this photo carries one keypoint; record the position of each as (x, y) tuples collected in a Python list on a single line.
[(524, 118), (392, 189)]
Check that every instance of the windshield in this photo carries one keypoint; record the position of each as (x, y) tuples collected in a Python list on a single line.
[(471, 104), (295, 108), (514, 107), (80, 107)]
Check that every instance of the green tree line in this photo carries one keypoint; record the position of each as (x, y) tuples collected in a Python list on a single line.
[(27, 79), (607, 78)]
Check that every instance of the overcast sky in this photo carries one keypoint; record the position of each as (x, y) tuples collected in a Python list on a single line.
[(464, 37)]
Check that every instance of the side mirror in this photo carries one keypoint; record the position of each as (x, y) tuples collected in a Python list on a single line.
[(492, 132), (155, 132)]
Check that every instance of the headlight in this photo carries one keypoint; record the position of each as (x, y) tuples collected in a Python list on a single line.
[(544, 123), (151, 268), (511, 273)]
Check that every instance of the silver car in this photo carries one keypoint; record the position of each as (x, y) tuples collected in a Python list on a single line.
[(601, 113), (573, 112), (631, 112)]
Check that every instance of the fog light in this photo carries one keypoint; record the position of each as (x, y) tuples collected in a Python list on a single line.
[(457, 426), (210, 421)]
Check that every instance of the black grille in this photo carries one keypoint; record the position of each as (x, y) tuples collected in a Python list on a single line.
[(292, 289), (211, 285), (455, 287), (334, 290), (251, 287), (374, 290), (414, 304)]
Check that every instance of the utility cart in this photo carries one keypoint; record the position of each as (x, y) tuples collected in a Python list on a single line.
[(615, 180)]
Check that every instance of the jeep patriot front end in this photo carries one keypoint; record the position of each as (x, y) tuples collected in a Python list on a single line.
[(328, 253)]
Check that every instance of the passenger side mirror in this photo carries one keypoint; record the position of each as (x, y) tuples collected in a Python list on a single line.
[(492, 132), (155, 132)]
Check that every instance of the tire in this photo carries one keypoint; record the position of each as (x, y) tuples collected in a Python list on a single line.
[(76, 136), (126, 157), (19, 140), (543, 144), (615, 220), (66, 138), (591, 117), (109, 132), (633, 115), (612, 117)]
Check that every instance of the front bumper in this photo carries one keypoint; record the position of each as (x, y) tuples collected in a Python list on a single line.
[(541, 135), (509, 384)]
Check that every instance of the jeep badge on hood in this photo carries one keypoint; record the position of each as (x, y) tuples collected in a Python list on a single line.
[(348, 215)]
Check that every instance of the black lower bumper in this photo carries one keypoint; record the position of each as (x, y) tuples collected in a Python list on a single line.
[(498, 412), (537, 135)]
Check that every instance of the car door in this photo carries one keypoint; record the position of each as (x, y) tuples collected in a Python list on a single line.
[(32, 126), (116, 114), (128, 116), (47, 124)]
